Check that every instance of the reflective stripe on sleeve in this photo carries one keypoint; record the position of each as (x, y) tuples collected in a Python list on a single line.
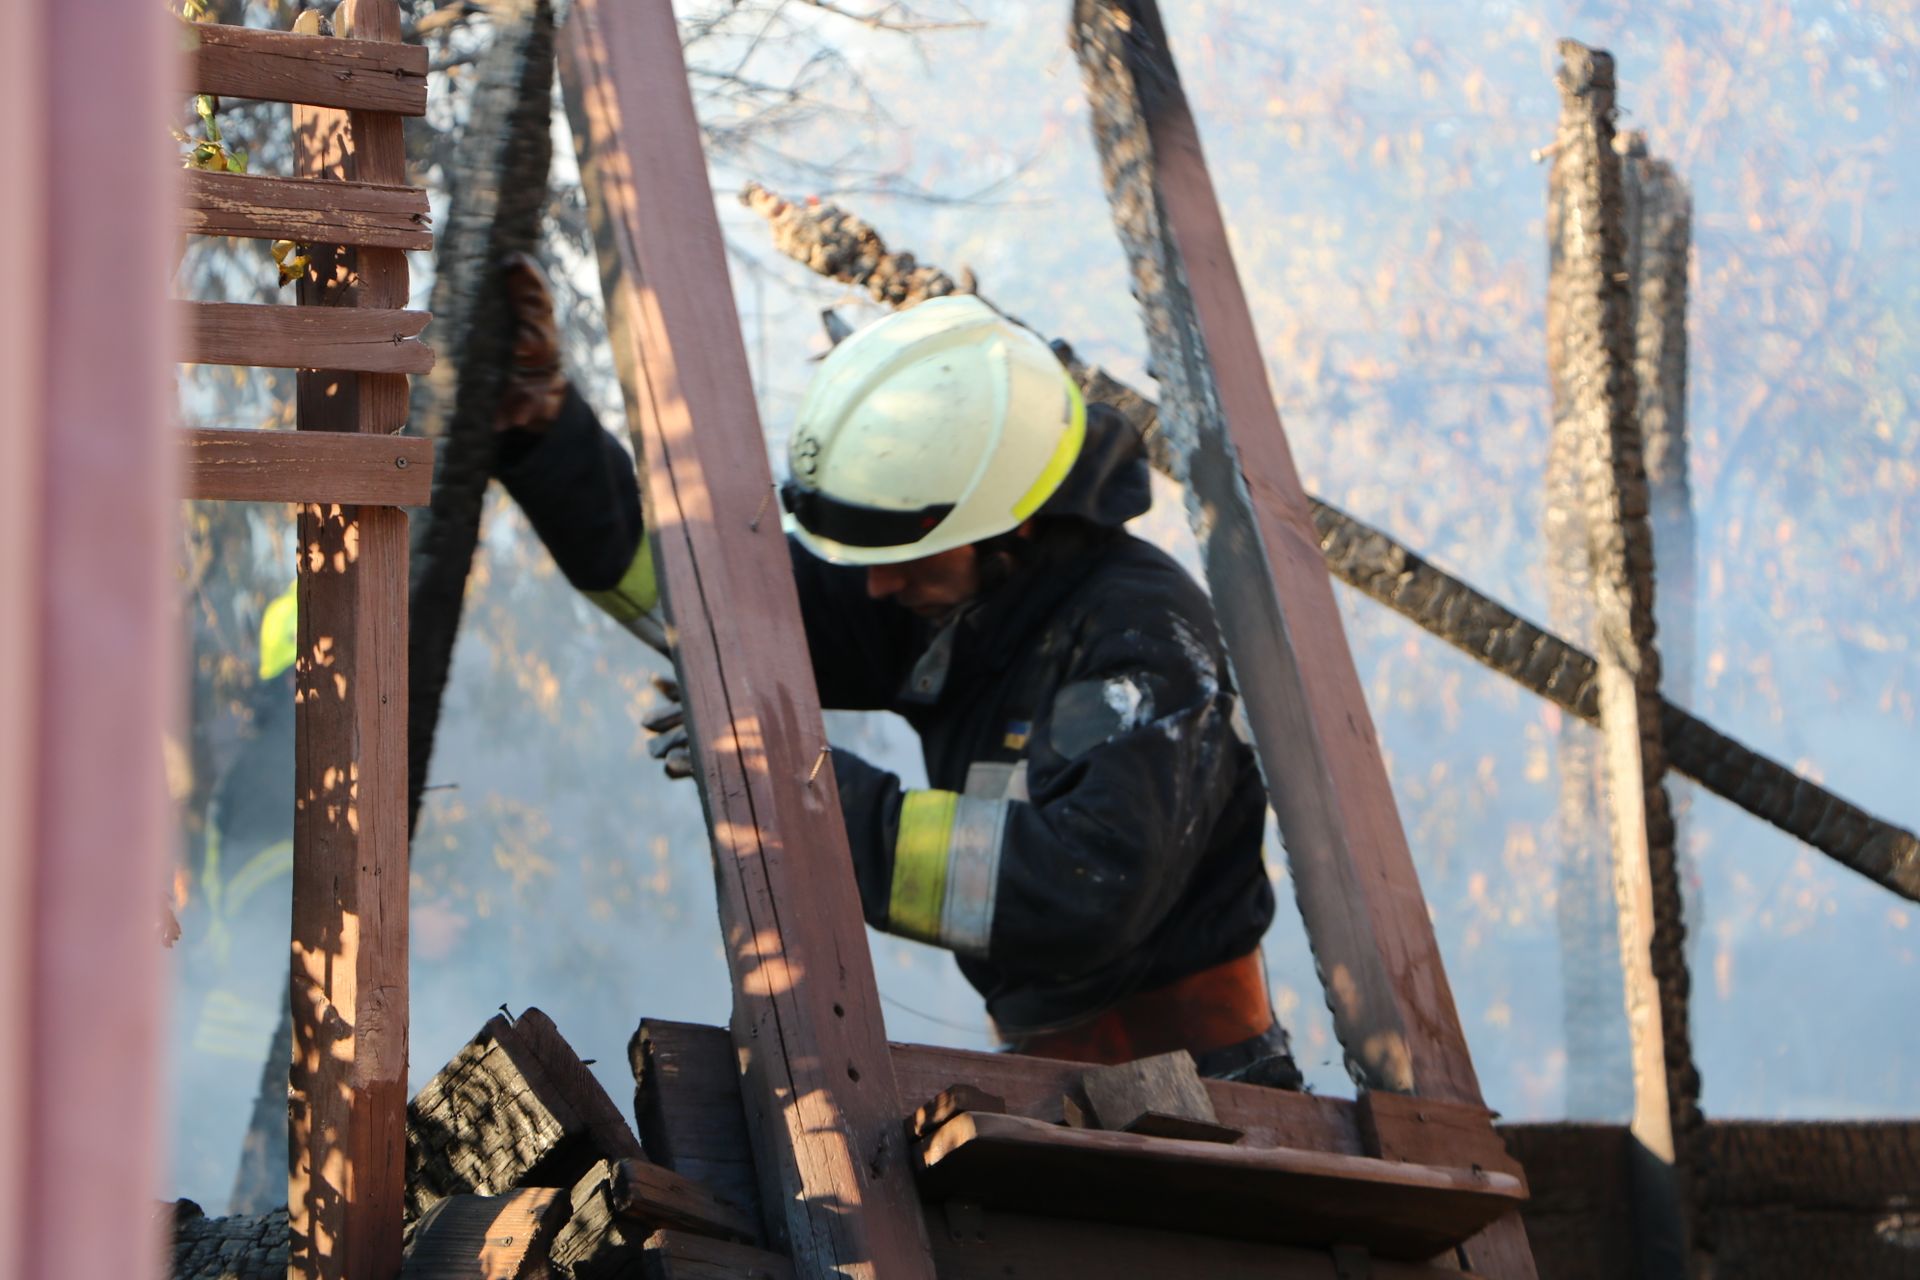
[(946, 870), (636, 592)]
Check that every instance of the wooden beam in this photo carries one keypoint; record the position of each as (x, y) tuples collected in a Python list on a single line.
[(225, 465), (974, 1243), (88, 656), (514, 1107), (347, 1087), (367, 340), (819, 1090), (503, 1237), (259, 207), (1288, 1196), (1595, 393), (687, 1102), (680, 1255), (647, 1193), (1353, 873), (279, 66)]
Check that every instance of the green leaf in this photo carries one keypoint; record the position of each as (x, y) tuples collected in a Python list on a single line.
[(236, 162)]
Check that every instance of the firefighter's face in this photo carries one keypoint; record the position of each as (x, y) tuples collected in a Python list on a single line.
[(931, 586)]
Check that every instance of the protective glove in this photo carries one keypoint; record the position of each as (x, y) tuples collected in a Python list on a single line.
[(668, 723)]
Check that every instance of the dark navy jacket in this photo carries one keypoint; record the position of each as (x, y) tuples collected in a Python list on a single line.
[(1086, 695)]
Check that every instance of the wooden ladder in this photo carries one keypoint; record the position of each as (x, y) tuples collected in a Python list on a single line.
[(354, 343)]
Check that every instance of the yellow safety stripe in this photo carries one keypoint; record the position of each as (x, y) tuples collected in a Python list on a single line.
[(1063, 457), (636, 592), (920, 864)]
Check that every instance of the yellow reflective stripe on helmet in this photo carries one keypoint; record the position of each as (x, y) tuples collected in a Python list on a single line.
[(1063, 457), (636, 592), (280, 632), (920, 864)]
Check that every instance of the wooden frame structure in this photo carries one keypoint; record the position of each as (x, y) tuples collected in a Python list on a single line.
[(823, 1097), (354, 344)]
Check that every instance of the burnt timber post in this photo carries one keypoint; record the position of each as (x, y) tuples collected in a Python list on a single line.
[(1595, 324), (1358, 891), (817, 1073)]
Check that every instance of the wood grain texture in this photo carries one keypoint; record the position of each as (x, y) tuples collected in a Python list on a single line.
[(514, 1107), (664, 1200), (1353, 873), (347, 1087), (370, 340), (260, 207), (88, 658), (1596, 395), (687, 1102), (679, 1255), (1397, 1127), (370, 74), (1286, 1196), (225, 465), (819, 1090), (972, 1243), (1166, 1084), (501, 1237)]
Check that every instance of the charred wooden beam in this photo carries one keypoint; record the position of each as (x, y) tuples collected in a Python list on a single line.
[(1536, 658), (515, 1107), (1596, 398), (499, 191)]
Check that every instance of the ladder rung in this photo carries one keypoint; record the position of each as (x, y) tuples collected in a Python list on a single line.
[(307, 210), (358, 339), (278, 66), (325, 467)]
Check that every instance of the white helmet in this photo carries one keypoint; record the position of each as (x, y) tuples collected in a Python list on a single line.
[(935, 427)]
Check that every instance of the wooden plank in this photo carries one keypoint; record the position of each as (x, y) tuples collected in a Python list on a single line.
[(1596, 395), (1290, 1197), (972, 1243), (687, 1101), (224, 465), (1357, 887), (1394, 1126), (501, 1237), (371, 340), (88, 656), (664, 1200), (260, 207), (347, 1088), (1353, 873), (819, 1094), (514, 1107), (368, 74), (677, 1255), (950, 1102), (1166, 1084)]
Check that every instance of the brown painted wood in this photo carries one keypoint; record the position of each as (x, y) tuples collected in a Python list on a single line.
[(678, 1255), (1395, 1126), (1287, 1196), (950, 1102), (687, 1102), (665, 1200), (373, 340), (514, 1107), (226, 465), (347, 1087), (819, 1093), (260, 207), (971, 1243), (1353, 872), (278, 66), (501, 1237), (1357, 887)]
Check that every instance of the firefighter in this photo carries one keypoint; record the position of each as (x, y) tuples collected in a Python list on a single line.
[(1089, 847)]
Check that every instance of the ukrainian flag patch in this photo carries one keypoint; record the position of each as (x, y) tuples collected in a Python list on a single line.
[(1018, 731)]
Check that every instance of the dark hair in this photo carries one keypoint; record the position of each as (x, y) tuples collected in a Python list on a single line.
[(1050, 540)]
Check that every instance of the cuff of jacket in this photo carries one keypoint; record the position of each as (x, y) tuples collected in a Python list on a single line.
[(578, 489)]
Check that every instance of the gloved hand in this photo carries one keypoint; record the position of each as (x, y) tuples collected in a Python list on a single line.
[(536, 385), (668, 723)]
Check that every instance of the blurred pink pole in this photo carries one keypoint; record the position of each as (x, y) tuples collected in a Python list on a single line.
[(88, 666)]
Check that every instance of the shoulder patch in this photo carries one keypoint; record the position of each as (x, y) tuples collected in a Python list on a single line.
[(1087, 713)]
